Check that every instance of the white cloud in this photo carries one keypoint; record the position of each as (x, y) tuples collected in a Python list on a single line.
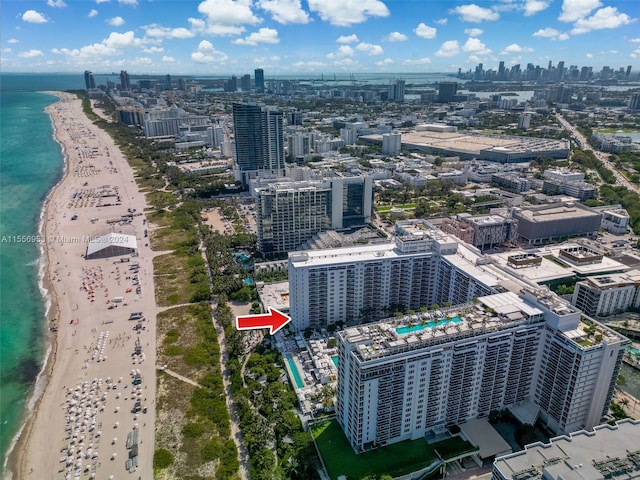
[(158, 31), (311, 65), (129, 2), (343, 51), (417, 61), (153, 50), (633, 40), (31, 54), (285, 11), (424, 31), (31, 16), (441, 21), (473, 32), (474, 13), (635, 53), (396, 37), (347, 12), (122, 40), (386, 61), (264, 35), (168, 59), (116, 21), (227, 17), (15, 40), (573, 10), (6, 50), (353, 38), (551, 33), (473, 45), (531, 7), (515, 48), (449, 48), (206, 53), (101, 1), (370, 48), (142, 61), (589, 55), (607, 17), (56, 3), (92, 13)]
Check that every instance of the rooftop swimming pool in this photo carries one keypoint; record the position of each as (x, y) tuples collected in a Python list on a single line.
[(431, 324), (294, 370), (334, 359)]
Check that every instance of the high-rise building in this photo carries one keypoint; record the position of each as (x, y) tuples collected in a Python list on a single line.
[(524, 121), (259, 140), (446, 91), (125, 83), (396, 91), (259, 74), (423, 267), (290, 213), (182, 85), (167, 82), (391, 143), (245, 83), (89, 80), (532, 353), (634, 102)]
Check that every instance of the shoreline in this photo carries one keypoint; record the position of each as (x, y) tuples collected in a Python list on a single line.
[(11, 461), (91, 162)]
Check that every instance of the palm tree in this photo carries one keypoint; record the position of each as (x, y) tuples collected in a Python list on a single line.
[(624, 402)]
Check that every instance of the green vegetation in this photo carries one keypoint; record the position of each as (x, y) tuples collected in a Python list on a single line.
[(162, 459), (394, 460), (452, 447)]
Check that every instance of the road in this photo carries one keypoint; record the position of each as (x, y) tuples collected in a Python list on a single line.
[(602, 156)]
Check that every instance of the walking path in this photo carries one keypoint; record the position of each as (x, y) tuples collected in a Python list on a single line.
[(178, 376)]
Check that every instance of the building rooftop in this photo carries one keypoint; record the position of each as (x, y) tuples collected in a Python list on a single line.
[(424, 329), (606, 452), (553, 266), (472, 143), (547, 213), (275, 294)]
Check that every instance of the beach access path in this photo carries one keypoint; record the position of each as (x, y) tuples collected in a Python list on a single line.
[(87, 421)]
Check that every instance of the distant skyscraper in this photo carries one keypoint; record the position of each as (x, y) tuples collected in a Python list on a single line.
[(125, 83), (89, 80), (628, 74), (167, 82), (259, 74), (446, 91), (634, 103), (245, 83), (396, 91), (259, 140), (182, 84), (231, 85)]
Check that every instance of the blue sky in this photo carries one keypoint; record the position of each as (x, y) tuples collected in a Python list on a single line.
[(299, 36)]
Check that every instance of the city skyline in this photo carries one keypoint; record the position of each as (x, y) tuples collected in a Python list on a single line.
[(314, 36)]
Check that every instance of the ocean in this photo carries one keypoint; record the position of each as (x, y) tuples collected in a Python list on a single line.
[(31, 163)]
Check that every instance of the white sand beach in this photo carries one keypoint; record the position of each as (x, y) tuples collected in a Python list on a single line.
[(83, 426)]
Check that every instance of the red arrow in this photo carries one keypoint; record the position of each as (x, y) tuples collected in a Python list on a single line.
[(275, 320)]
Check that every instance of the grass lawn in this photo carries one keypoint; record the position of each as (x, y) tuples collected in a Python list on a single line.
[(395, 460)]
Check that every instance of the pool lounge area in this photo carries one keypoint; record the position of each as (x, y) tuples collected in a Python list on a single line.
[(431, 324)]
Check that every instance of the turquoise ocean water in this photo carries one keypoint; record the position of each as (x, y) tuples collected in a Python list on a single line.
[(31, 163)]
